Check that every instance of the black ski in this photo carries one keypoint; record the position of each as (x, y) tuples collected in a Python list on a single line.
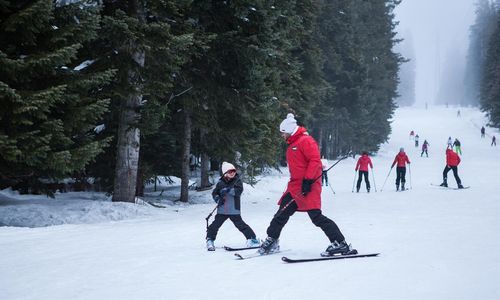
[(257, 254), (299, 260), (451, 188), (239, 249)]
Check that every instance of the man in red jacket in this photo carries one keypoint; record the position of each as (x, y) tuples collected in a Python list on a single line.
[(303, 192), (401, 160), (452, 162), (363, 162)]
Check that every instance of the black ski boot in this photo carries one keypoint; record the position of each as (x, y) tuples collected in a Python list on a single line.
[(460, 186), (402, 187), (341, 248), (269, 245), (444, 184), (397, 188)]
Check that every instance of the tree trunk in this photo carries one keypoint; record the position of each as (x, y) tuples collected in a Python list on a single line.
[(185, 156), (205, 182), (205, 160), (129, 139), (127, 152)]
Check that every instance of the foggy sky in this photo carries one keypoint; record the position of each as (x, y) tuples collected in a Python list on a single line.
[(438, 27)]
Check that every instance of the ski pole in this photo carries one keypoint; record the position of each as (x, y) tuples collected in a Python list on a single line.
[(353, 181), (386, 178), (374, 184), (338, 160), (210, 214), (409, 172), (332, 189)]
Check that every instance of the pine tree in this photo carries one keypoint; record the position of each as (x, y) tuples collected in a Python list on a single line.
[(50, 102), (480, 34), (490, 84)]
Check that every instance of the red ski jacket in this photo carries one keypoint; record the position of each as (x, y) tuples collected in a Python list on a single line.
[(401, 159), (363, 163), (452, 159), (304, 162)]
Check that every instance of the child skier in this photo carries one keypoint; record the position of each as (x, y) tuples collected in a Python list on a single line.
[(227, 195), (363, 162), (456, 144), (324, 174), (401, 160), (416, 141)]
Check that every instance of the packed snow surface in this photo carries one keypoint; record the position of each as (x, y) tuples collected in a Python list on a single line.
[(435, 243)]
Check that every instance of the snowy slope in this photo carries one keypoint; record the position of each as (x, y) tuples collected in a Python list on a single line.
[(435, 243)]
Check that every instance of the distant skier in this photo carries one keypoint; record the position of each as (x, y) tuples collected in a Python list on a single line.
[(401, 160), (452, 162), (483, 131), (227, 195), (425, 147), (324, 174), (362, 165), (456, 144), (458, 113), (416, 141), (494, 141), (303, 191), (450, 142), (412, 134)]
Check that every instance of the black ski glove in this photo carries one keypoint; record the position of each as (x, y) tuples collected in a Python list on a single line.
[(219, 200), (306, 186)]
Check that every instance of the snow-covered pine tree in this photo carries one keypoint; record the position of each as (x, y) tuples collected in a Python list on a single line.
[(50, 102)]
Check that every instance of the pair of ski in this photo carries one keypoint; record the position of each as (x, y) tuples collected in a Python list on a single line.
[(449, 187), (353, 254)]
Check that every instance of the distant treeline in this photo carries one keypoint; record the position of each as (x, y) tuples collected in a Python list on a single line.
[(123, 91), (482, 78)]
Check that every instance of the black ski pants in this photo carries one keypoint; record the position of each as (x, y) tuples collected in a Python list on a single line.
[(455, 173), (324, 178), (400, 175), (367, 181), (288, 207), (237, 221)]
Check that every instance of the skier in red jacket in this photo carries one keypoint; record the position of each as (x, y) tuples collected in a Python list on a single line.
[(363, 162), (303, 192), (401, 160), (452, 162)]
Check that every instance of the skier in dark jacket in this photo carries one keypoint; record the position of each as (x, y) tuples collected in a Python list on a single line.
[(425, 147), (303, 191), (483, 131), (227, 195), (401, 160)]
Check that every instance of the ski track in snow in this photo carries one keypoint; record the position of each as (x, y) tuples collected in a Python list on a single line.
[(434, 243)]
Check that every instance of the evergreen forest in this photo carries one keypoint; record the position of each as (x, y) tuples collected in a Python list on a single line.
[(113, 94)]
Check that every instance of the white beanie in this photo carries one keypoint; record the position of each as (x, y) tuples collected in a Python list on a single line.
[(289, 124), (227, 167)]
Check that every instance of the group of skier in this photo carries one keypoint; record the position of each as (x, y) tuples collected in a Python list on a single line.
[(303, 192), (493, 137)]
